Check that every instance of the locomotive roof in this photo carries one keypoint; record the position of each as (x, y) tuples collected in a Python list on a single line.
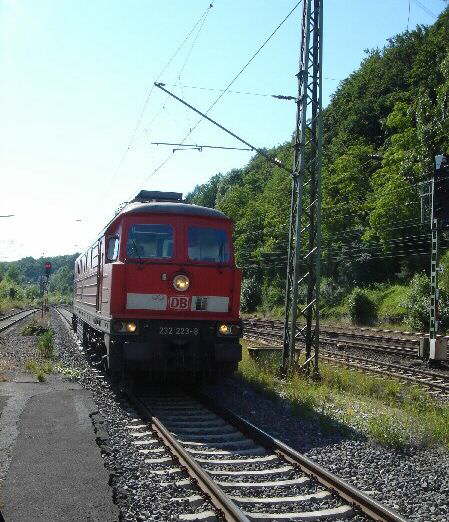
[(165, 207)]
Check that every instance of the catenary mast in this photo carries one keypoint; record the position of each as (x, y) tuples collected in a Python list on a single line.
[(304, 248)]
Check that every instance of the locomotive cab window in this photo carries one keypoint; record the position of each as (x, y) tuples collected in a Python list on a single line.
[(112, 253), (208, 244), (150, 241)]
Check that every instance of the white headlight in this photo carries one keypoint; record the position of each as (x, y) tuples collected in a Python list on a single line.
[(181, 282)]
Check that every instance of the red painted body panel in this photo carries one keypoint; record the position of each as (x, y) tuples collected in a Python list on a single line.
[(103, 289)]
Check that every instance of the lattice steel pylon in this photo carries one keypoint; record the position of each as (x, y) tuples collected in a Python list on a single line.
[(304, 249)]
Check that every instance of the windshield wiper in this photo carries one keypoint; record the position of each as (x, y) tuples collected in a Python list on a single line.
[(137, 251)]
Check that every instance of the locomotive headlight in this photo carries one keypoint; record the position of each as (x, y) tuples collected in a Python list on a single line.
[(229, 329), (224, 329), (181, 282), (131, 327)]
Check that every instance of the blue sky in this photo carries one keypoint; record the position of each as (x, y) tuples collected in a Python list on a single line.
[(75, 74)]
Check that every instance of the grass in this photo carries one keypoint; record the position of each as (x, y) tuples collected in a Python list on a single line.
[(35, 327), (45, 344), (386, 410), (43, 365), (39, 368)]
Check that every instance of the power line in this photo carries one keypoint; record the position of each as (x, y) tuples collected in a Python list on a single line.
[(181, 70), (215, 89), (198, 147), (147, 98), (226, 89), (246, 65), (269, 158), (425, 8)]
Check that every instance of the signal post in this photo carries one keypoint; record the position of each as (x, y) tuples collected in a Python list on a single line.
[(439, 220), (47, 271)]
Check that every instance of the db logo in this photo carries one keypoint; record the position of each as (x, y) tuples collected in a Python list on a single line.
[(179, 303)]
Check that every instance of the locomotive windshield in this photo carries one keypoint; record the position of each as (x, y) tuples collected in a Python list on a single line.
[(150, 241), (208, 244)]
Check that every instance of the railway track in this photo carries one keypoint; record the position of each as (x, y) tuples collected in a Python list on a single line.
[(403, 344), (247, 474), (10, 320), (436, 382)]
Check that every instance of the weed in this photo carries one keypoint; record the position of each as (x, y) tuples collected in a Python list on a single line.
[(39, 369), (45, 345), (387, 432), (34, 327), (389, 411), (40, 375), (70, 373)]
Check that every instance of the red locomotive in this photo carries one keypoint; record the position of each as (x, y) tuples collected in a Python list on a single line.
[(159, 290)]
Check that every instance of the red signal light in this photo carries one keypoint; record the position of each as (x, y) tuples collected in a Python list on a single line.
[(47, 268)]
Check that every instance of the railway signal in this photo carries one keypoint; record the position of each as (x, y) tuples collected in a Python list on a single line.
[(441, 190), (47, 268), (439, 220)]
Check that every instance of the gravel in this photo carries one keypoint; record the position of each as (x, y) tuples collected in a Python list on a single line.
[(16, 349), (140, 494), (415, 484)]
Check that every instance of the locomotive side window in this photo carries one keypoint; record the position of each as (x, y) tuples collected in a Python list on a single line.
[(95, 256), (112, 253), (208, 244), (150, 241)]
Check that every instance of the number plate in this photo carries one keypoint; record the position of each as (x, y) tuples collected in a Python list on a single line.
[(178, 331)]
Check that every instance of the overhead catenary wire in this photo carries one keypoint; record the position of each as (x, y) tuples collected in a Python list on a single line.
[(151, 89), (269, 158), (181, 70), (228, 86), (188, 146), (425, 9)]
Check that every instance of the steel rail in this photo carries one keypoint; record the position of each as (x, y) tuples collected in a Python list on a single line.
[(227, 508), (358, 341), (346, 328), (218, 497), (352, 495), (12, 319), (352, 344), (413, 375), (394, 370)]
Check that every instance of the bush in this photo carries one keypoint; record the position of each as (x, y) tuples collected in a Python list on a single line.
[(362, 309), (331, 293), (273, 295), (251, 294), (417, 304)]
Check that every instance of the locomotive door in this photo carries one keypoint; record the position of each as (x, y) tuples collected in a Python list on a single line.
[(100, 275)]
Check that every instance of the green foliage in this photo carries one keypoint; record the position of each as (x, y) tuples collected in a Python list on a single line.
[(390, 412), (384, 430), (39, 368), (391, 308), (61, 281), (362, 310), (250, 295), (45, 344), (417, 304), (19, 282), (34, 327)]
